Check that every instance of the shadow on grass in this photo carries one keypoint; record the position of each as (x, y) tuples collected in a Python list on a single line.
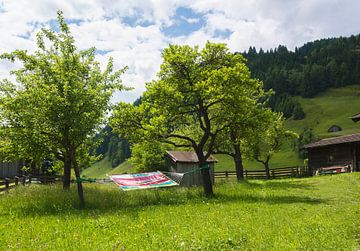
[(43, 200), (269, 199), (280, 184)]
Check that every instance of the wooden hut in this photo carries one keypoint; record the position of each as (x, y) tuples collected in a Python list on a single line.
[(335, 152), (187, 161)]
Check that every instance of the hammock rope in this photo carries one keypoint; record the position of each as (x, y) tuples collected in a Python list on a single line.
[(177, 177), (83, 180)]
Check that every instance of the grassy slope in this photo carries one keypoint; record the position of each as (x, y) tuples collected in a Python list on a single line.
[(335, 106), (290, 214), (103, 167)]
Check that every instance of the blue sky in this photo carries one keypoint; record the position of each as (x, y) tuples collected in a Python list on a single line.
[(135, 32)]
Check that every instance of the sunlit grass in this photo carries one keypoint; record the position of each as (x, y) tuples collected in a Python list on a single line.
[(319, 213)]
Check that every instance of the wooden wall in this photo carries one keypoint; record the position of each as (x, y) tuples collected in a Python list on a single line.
[(10, 170), (334, 155), (191, 179)]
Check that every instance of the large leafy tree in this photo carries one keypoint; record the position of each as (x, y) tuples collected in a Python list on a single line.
[(61, 98), (187, 105)]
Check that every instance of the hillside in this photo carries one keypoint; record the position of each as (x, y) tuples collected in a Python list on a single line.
[(333, 107), (103, 167)]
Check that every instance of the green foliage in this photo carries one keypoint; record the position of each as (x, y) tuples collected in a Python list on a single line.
[(197, 95), (289, 214), (298, 112), (267, 139), (287, 105), (148, 156), (306, 136), (61, 98)]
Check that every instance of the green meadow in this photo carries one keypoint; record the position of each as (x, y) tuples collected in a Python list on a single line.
[(317, 213)]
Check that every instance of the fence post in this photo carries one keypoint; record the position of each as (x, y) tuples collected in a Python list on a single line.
[(246, 173), (29, 179), (273, 173), (7, 183), (226, 174), (16, 180), (23, 180)]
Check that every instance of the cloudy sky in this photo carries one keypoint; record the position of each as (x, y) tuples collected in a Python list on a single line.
[(134, 32)]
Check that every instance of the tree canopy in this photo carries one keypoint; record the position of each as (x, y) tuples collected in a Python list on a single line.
[(187, 106), (60, 98)]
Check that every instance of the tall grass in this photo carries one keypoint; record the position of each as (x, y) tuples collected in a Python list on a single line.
[(320, 213)]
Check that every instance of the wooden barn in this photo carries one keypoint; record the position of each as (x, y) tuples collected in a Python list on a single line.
[(335, 152), (183, 162)]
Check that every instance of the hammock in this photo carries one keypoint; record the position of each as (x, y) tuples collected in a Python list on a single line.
[(150, 180), (142, 180)]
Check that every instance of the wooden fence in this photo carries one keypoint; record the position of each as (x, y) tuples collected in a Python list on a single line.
[(284, 172), (8, 183)]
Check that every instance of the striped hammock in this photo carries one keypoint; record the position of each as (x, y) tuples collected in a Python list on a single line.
[(142, 180)]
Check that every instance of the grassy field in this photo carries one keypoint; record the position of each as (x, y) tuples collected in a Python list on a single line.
[(318, 213)]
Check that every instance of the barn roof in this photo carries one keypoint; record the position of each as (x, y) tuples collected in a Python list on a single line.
[(187, 157), (356, 117), (335, 141)]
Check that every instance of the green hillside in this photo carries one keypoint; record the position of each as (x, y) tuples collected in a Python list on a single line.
[(333, 107), (103, 167)]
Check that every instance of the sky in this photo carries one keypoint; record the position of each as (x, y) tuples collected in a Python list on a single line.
[(135, 32)]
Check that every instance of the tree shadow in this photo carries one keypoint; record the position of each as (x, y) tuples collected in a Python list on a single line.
[(100, 201), (279, 184), (269, 199)]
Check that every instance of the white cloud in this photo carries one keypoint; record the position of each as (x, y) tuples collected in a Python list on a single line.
[(257, 23)]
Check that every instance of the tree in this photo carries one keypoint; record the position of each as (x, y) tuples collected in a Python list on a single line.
[(306, 136), (61, 98), (187, 106), (244, 127), (148, 156), (267, 139)]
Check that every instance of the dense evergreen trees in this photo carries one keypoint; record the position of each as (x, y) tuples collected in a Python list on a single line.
[(110, 144), (307, 71)]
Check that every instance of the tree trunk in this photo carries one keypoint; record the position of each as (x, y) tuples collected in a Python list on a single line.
[(238, 162), (267, 169), (237, 157), (79, 184), (67, 173), (205, 173), (239, 169)]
